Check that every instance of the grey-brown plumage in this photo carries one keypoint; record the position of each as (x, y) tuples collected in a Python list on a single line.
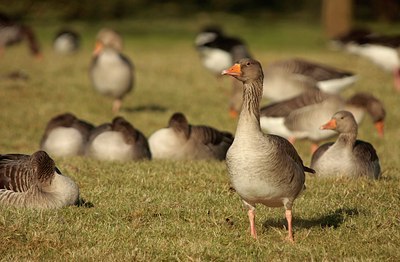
[(347, 157), (111, 72), (118, 140), (34, 181), (65, 135), (263, 168), (180, 140)]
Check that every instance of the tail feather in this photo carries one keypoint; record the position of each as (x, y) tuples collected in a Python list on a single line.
[(308, 170)]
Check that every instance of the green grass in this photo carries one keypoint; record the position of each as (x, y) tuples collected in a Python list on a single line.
[(184, 210)]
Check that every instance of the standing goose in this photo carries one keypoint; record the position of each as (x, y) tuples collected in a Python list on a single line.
[(348, 156), (119, 141), (301, 116), (288, 78), (34, 181), (66, 41), (263, 168), (111, 73), (65, 135), (180, 140), (12, 33)]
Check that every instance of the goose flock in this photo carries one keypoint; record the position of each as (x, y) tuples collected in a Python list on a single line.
[(262, 162)]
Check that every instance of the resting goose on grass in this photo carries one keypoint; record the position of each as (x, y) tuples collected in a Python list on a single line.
[(347, 157), (65, 135), (263, 169), (118, 141), (180, 140), (285, 79), (301, 116), (34, 181), (111, 73), (66, 42)]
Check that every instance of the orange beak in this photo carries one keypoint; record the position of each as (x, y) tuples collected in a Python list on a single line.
[(233, 70), (99, 46), (379, 125), (330, 125)]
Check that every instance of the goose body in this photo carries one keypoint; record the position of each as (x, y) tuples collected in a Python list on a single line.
[(112, 75), (180, 140), (66, 41), (117, 141), (263, 169), (288, 78), (301, 117), (347, 157), (35, 182), (65, 135), (217, 50)]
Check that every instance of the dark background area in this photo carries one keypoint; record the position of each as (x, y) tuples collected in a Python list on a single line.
[(371, 10)]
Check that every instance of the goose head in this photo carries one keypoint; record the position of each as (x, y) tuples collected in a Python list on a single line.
[(179, 123), (246, 70), (342, 122)]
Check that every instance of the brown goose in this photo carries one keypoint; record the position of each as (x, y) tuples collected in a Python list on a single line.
[(111, 74), (301, 116), (34, 181), (12, 33), (119, 141), (180, 140), (263, 168), (348, 156), (65, 135)]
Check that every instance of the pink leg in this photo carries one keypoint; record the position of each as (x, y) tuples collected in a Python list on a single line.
[(252, 218), (292, 140), (116, 106), (396, 78), (314, 147), (288, 215)]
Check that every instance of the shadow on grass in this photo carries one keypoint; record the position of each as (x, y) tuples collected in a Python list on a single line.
[(334, 219), (142, 108), (83, 203)]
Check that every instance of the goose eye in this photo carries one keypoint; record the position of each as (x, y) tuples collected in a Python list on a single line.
[(342, 117), (248, 63)]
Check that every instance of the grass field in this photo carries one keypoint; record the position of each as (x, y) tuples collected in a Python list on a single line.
[(184, 210)]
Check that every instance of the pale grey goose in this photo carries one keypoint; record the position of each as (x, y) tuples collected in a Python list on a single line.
[(66, 41), (288, 78), (34, 181), (263, 168), (65, 135), (119, 141), (301, 116), (111, 73), (347, 157), (180, 140)]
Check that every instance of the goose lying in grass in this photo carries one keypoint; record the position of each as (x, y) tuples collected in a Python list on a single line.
[(347, 157), (34, 181), (301, 116), (65, 135), (119, 141), (66, 41), (263, 169), (180, 140)]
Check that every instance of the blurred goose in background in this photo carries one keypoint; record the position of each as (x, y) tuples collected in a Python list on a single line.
[(263, 169), (301, 116), (286, 79), (65, 135), (119, 141), (217, 52), (34, 181), (111, 73), (347, 157), (348, 41), (180, 140), (13, 33), (109, 37), (66, 41)]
